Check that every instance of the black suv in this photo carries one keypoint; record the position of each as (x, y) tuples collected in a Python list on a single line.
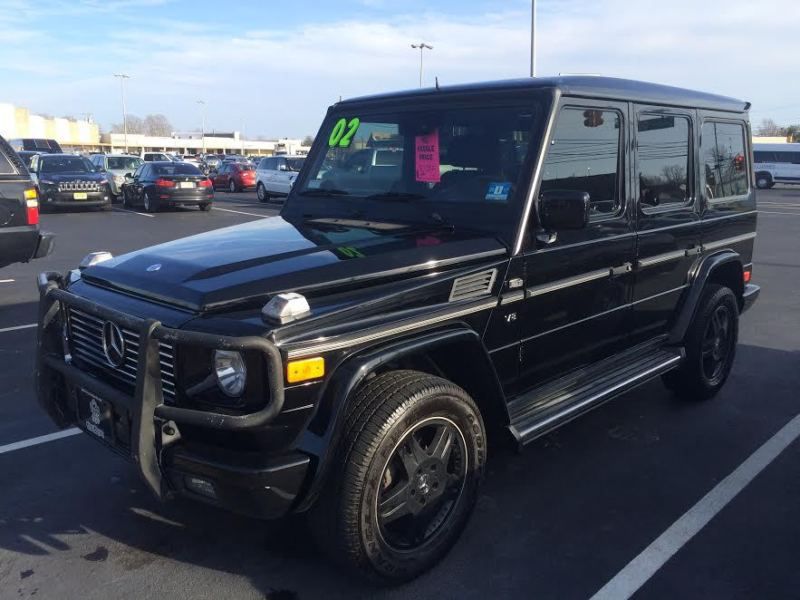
[(536, 248), (69, 181), (20, 238)]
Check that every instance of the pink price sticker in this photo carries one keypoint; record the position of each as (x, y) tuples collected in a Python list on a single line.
[(427, 154)]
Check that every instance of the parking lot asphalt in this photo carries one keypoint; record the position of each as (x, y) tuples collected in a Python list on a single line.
[(576, 511)]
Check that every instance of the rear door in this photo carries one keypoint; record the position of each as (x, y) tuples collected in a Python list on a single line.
[(578, 282), (667, 213)]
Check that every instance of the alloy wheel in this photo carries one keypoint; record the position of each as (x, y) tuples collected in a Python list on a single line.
[(717, 344)]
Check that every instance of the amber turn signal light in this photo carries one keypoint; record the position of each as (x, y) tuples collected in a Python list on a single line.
[(305, 369)]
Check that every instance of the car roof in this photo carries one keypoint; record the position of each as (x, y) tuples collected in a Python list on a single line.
[(610, 88)]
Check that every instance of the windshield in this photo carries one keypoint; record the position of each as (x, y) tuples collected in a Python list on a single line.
[(65, 164), (465, 164), (123, 163), (294, 164)]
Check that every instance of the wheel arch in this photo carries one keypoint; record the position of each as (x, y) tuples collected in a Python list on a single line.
[(725, 268), (455, 353)]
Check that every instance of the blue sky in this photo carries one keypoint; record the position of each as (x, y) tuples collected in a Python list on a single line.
[(272, 68)]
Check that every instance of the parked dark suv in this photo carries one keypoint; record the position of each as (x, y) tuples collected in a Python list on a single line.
[(537, 248), (69, 181), (20, 238)]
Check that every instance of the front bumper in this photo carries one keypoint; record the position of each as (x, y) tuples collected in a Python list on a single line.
[(67, 199), (148, 431)]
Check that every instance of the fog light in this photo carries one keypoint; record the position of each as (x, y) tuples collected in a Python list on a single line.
[(230, 371), (201, 486)]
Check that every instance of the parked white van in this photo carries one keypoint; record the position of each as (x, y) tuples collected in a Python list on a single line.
[(776, 163)]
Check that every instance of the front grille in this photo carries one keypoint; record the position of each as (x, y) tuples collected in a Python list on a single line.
[(79, 186), (86, 344)]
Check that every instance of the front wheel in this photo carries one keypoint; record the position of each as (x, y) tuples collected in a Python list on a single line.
[(232, 186), (764, 181), (261, 192), (710, 346), (409, 466)]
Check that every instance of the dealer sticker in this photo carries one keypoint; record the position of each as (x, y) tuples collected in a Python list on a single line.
[(498, 192)]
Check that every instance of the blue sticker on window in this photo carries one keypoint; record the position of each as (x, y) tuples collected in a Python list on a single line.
[(498, 192)]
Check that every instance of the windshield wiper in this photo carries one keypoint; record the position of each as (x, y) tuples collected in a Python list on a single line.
[(398, 196), (324, 192)]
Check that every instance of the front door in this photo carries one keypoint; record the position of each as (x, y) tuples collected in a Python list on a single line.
[(578, 283), (668, 218)]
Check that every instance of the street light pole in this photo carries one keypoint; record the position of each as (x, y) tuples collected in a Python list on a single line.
[(533, 38), (122, 77), (422, 47), (202, 104)]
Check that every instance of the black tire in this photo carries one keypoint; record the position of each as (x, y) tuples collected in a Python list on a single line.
[(261, 193), (206, 207), (710, 346), (149, 205), (386, 418), (107, 207), (232, 187), (764, 181)]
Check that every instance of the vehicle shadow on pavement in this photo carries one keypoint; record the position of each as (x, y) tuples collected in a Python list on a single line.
[(556, 521)]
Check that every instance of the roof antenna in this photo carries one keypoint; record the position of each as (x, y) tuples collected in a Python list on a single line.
[(437, 83)]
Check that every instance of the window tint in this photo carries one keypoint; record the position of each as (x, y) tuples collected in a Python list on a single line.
[(584, 155), (175, 169), (5, 165), (764, 157), (270, 164), (724, 162), (663, 164)]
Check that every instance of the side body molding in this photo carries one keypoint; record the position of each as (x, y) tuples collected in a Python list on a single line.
[(698, 277), (319, 439)]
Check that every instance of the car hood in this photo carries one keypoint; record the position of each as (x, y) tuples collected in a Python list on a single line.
[(249, 263), (58, 177)]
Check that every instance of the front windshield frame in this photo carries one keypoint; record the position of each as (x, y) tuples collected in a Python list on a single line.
[(468, 216)]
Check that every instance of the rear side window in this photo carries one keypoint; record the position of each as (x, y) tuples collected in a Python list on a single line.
[(764, 157), (722, 150), (584, 155), (663, 160)]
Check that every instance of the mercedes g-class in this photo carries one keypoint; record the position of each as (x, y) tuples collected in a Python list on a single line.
[(535, 248)]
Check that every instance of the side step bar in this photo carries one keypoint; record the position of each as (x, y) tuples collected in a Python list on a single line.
[(547, 407)]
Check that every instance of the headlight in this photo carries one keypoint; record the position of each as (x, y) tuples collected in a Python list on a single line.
[(230, 371), (46, 182), (119, 179)]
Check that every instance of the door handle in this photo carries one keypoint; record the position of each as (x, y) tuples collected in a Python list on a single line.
[(694, 251), (621, 270)]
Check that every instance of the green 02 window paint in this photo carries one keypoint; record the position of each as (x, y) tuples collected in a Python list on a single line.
[(343, 132)]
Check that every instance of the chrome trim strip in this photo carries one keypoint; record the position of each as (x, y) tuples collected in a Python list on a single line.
[(610, 238), (673, 290), (657, 259), (728, 241), (534, 185), (512, 297), (731, 216), (321, 346), (673, 360), (565, 283), (578, 322)]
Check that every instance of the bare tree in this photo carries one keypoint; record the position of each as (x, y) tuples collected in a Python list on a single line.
[(135, 125), (770, 128), (308, 140), (157, 125)]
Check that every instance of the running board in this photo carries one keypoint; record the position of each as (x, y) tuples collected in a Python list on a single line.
[(551, 405)]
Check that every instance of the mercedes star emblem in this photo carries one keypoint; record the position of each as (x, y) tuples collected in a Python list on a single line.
[(155, 267), (113, 344)]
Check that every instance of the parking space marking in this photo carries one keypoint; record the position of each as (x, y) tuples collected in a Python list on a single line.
[(42, 439), (239, 212), (116, 209), (18, 327), (637, 572), (771, 212), (6, 281)]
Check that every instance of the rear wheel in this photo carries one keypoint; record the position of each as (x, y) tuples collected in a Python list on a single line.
[(261, 192), (409, 466), (149, 204), (764, 181), (710, 346), (232, 186), (206, 207)]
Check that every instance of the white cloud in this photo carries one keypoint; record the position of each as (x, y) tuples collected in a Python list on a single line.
[(279, 81)]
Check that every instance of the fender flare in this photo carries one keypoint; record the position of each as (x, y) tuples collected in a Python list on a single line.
[(350, 374), (698, 276)]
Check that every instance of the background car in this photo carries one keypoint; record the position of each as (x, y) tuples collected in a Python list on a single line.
[(116, 166), (156, 185), (235, 177), (275, 176), (36, 145), (20, 238), (69, 180), (26, 156), (156, 156)]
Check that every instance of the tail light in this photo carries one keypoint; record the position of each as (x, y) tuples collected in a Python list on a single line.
[(205, 183), (164, 183), (31, 207), (747, 274)]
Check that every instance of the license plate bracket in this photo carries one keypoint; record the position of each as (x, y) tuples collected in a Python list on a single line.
[(99, 417)]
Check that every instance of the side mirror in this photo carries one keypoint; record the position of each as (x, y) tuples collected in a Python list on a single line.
[(128, 175), (99, 170), (283, 168), (564, 209)]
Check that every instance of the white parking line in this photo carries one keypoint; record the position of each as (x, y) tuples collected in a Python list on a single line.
[(133, 212), (240, 212), (6, 281), (42, 439), (637, 572), (771, 212), (18, 327)]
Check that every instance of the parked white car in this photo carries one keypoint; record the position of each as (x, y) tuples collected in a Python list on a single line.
[(116, 166), (776, 163), (275, 176)]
